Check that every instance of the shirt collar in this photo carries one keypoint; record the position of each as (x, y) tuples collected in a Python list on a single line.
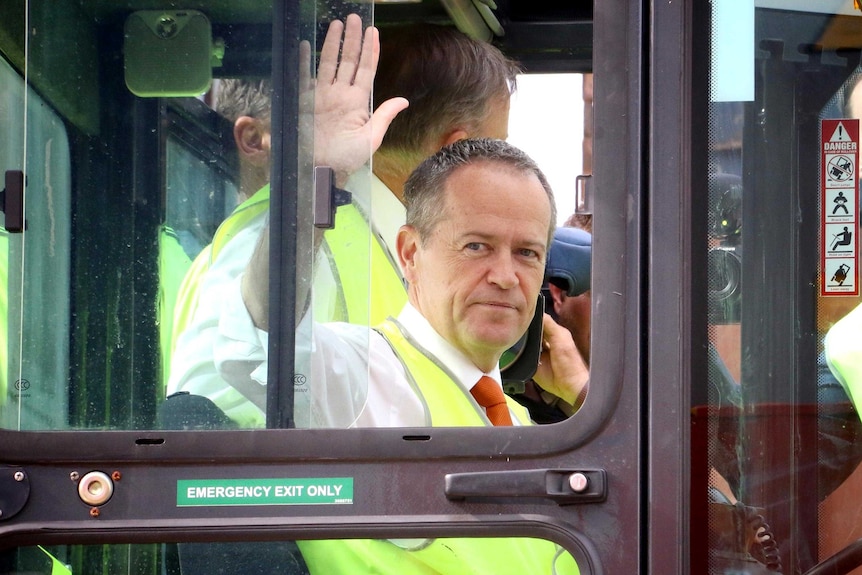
[(465, 372)]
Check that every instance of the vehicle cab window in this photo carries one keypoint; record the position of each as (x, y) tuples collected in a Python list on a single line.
[(213, 229)]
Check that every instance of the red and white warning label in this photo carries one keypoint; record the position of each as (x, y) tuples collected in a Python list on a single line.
[(839, 166)]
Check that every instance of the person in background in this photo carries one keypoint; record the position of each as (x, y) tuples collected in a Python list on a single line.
[(247, 105), (568, 284), (567, 301)]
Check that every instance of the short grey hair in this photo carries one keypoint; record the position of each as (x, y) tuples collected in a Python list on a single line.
[(424, 190), (237, 97)]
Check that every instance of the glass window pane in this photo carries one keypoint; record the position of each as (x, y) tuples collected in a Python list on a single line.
[(130, 170), (36, 298), (353, 556), (776, 443), (167, 171), (348, 276)]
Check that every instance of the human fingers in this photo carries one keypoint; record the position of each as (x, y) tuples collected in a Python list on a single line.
[(305, 82), (328, 66), (382, 118), (555, 335), (351, 50), (368, 60), (562, 370)]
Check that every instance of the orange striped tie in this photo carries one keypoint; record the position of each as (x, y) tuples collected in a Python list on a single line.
[(488, 394)]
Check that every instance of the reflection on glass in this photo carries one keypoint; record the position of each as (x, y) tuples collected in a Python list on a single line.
[(345, 374), (839, 306), (144, 270), (443, 556), (35, 296), (776, 436), (130, 170)]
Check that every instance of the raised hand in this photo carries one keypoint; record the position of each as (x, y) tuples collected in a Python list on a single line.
[(333, 113), (345, 134)]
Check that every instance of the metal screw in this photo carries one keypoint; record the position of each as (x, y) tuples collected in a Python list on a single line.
[(74, 476), (116, 475), (94, 511), (166, 27), (578, 482), (19, 476)]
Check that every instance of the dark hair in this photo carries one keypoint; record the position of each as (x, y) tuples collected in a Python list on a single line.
[(449, 78), (424, 189)]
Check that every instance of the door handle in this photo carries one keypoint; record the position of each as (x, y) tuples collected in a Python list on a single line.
[(565, 486)]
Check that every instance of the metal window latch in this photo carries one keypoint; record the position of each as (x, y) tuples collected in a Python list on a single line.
[(565, 486), (327, 197), (12, 201)]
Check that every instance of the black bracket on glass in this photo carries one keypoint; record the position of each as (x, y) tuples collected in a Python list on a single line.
[(327, 197), (12, 201)]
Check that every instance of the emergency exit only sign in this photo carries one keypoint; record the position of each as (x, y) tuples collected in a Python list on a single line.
[(294, 491), (839, 222)]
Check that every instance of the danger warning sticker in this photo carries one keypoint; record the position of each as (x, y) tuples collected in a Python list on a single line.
[(839, 166)]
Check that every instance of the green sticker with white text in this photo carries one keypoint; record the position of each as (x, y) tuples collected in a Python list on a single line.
[(295, 491)]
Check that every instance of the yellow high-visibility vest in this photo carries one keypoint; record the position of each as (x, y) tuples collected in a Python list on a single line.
[(371, 288), (843, 350), (447, 404), (57, 566)]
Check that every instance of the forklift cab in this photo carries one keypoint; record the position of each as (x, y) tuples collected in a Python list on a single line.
[(720, 434)]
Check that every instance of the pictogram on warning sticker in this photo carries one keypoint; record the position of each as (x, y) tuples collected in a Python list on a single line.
[(840, 207), (841, 275), (840, 170), (839, 222)]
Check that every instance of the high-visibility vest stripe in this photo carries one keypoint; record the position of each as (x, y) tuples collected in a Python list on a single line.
[(447, 403), (843, 351), (350, 258)]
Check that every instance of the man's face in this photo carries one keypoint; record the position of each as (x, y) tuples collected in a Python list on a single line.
[(573, 313), (477, 277)]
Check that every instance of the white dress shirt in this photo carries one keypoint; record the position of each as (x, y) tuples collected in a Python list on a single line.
[(193, 364), (354, 377)]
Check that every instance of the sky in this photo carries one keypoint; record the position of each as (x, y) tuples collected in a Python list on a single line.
[(546, 120)]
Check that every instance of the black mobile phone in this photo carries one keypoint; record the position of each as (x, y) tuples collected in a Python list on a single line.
[(518, 363)]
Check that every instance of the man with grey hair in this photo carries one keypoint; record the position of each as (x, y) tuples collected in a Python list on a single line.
[(480, 215), (247, 104), (457, 88)]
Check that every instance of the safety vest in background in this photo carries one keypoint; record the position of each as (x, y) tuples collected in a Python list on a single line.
[(843, 350), (367, 294), (447, 405), (173, 266), (57, 566)]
